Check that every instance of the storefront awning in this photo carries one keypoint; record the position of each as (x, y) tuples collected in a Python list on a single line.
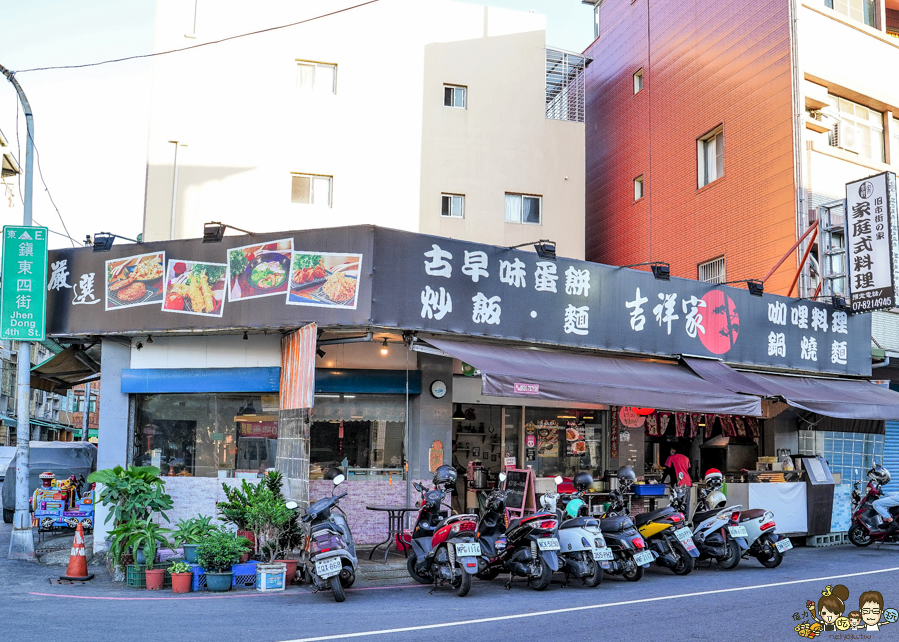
[(578, 378), (64, 370), (840, 398)]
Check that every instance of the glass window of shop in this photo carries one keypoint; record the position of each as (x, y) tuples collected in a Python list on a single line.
[(206, 435), (359, 433), (565, 442)]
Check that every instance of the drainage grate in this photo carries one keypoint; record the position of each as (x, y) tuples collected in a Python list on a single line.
[(59, 582)]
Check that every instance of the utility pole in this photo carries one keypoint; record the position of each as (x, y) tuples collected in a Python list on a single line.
[(21, 543), (86, 412)]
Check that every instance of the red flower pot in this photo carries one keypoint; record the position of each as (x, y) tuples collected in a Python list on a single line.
[(181, 582), (250, 535), (155, 579), (291, 570)]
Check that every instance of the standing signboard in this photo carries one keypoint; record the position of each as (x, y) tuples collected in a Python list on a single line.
[(23, 295), (872, 243), (519, 487)]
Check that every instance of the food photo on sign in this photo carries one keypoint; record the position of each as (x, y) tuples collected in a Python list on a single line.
[(134, 280), (324, 279), (259, 270), (195, 288)]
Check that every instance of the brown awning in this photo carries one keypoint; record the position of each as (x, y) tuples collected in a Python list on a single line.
[(65, 370)]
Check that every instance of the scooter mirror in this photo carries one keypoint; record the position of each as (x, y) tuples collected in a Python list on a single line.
[(502, 477), (339, 480), (292, 505), (558, 480)]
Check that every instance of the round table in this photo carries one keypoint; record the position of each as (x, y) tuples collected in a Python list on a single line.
[(394, 527)]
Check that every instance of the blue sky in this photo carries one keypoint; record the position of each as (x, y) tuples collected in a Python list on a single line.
[(569, 23)]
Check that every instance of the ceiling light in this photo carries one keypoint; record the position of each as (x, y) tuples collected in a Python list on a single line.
[(458, 415), (245, 337), (384, 347), (149, 339)]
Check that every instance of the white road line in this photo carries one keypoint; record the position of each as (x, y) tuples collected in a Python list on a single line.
[(572, 609)]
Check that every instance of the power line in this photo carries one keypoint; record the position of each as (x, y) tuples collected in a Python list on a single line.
[(202, 44), (37, 157)]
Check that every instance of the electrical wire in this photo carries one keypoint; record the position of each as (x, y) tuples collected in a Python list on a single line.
[(202, 44)]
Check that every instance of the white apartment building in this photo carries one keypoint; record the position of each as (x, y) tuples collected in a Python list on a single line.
[(422, 115)]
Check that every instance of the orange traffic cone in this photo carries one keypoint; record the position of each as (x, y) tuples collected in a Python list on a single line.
[(77, 569)]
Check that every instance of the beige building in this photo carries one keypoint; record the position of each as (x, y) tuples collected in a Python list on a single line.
[(423, 115)]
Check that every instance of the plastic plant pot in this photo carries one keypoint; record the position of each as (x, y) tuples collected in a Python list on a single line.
[(219, 582), (291, 570), (190, 553), (181, 582), (155, 579)]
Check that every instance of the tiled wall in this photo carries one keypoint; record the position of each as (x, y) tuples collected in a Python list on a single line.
[(845, 452)]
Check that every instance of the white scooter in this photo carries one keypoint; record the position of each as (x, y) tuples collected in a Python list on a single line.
[(719, 536), (332, 560), (765, 544), (582, 547)]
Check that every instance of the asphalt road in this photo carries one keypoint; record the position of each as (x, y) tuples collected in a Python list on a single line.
[(749, 603)]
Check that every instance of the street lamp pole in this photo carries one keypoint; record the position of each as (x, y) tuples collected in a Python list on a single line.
[(21, 543)]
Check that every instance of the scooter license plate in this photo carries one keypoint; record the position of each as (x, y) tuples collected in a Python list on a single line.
[(326, 568), (783, 545), (603, 554), (684, 534), (737, 531), (548, 544), (645, 558), (468, 550)]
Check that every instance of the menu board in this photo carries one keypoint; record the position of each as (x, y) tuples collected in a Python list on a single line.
[(520, 498)]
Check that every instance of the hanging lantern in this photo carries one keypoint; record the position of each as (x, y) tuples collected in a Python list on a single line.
[(642, 411)]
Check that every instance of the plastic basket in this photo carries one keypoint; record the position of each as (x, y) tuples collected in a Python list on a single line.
[(244, 576), (648, 490), (136, 576)]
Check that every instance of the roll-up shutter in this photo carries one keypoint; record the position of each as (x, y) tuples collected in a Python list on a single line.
[(891, 454)]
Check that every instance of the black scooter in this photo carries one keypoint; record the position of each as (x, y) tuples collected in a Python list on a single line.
[(631, 554)]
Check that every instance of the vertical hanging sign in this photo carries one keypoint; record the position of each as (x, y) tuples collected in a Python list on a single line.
[(23, 290), (872, 242)]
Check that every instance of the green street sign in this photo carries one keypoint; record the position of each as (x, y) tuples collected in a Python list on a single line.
[(23, 289)]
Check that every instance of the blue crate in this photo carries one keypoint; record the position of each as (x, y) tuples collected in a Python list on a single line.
[(244, 576), (648, 490)]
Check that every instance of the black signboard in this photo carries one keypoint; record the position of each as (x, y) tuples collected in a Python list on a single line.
[(364, 275)]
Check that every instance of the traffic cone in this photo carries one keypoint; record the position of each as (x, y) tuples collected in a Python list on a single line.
[(77, 569)]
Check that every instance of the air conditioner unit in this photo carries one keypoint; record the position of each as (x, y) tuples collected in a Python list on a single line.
[(844, 136)]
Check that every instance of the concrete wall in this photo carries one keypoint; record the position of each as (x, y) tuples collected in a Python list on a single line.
[(430, 419), (218, 351)]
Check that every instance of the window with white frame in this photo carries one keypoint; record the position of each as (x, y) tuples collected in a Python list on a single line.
[(894, 143), (638, 80), (710, 156), (861, 10), (452, 205), (638, 187), (310, 189), (318, 77), (455, 96), (596, 9), (712, 271), (859, 129), (523, 208)]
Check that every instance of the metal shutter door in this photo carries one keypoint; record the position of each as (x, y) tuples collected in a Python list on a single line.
[(891, 454)]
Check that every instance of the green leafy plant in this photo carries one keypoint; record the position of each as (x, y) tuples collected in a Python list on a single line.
[(221, 550), (193, 530), (269, 518), (133, 493), (235, 509), (180, 567), (148, 536), (291, 534)]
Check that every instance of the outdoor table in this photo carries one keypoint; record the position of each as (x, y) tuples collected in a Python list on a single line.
[(394, 527)]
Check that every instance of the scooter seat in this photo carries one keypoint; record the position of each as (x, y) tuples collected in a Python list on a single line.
[(651, 516), (616, 523), (752, 513), (580, 522), (701, 516)]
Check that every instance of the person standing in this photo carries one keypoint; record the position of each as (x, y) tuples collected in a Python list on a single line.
[(680, 464)]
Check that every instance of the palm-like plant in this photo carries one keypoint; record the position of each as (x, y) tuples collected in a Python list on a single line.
[(193, 530), (134, 493), (148, 536)]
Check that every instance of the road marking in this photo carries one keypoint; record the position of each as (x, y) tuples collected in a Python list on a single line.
[(573, 609), (215, 597)]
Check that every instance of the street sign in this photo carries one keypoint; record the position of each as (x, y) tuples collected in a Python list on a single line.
[(23, 290)]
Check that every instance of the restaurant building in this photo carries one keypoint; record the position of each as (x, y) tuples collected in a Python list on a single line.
[(388, 353)]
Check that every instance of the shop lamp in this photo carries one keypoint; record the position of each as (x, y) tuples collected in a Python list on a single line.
[(545, 248), (458, 415), (839, 303), (103, 241), (214, 232), (661, 270), (756, 287), (384, 347)]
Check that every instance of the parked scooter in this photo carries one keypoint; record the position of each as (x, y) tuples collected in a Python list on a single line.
[(667, 533), (527, 548), (867, 525), (444, 548), (583, 552), (717, 532), (630, 554), (331, 561)]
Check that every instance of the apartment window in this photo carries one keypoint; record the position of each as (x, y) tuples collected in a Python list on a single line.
[(310, 189), (596, 9), (858, 129), (712, 271), (710, 156), (521, 208), (455, 96), (894, 143), (452, 205), (861, 10), (316, 76), (638, 187), (638, 80)]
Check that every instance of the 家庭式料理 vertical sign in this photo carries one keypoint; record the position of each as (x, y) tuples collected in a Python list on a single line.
[(871, 242), (23, 296)]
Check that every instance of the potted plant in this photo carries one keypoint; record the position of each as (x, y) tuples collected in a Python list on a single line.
[(281, 537), (269, 518), (190, 532), (146, 538), (182, 577), (235, 508), (216, 555)]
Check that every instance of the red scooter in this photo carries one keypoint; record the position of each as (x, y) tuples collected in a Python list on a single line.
[(444, 549), (867, 527)]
